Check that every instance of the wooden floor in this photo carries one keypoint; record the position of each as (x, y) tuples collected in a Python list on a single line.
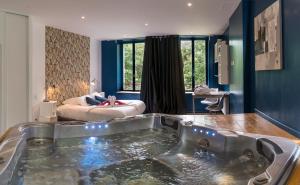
[(249, 123)]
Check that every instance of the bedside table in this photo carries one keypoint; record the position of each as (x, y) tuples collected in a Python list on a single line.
[(48, 112)]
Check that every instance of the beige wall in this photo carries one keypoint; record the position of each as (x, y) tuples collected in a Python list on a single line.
[(35, 79), (95, 64), (37, 66), (14, 69)]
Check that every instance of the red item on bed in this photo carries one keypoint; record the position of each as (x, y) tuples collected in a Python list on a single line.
[(107, 103)]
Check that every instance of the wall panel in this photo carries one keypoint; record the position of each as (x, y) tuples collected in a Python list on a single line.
[(67, 64), (14, 69), (236, 43)]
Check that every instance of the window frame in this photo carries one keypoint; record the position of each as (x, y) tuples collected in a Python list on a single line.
[(193, 39), (183, 38), (133, 42)]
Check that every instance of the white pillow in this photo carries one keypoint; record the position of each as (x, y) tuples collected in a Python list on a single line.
[(77, 101), (83, 100), (100, 94), (72, 101)]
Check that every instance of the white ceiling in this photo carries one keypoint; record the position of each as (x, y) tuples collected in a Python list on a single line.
[(116, 19)]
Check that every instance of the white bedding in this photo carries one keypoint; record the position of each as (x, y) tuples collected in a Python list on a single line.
[(97, 113)]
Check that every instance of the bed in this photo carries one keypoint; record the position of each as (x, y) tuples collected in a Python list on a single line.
[(96, 113)]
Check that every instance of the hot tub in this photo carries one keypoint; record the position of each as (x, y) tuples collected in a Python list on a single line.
[(149, 149)]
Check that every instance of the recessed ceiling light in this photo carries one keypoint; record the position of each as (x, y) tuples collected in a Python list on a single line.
[(146, 24), (82, 17), (189, 4)]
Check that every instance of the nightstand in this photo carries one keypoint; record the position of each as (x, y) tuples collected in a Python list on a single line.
[(48, 112)]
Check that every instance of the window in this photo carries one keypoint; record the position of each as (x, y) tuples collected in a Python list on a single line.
[(133, 56), (194, 62)]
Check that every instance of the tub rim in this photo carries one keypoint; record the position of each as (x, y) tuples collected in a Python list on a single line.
[(272, 173)]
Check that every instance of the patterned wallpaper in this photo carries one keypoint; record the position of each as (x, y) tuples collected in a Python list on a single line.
[(67, 64)]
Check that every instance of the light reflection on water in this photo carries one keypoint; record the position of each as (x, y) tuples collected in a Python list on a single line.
[(91, 140), (92, 152)]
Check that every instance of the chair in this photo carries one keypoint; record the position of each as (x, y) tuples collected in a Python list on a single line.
[(216, 107), (210, 101)]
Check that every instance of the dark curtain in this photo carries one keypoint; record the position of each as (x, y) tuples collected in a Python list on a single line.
[(162, 79)]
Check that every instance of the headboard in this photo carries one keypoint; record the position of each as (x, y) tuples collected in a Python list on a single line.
[(67, 64)]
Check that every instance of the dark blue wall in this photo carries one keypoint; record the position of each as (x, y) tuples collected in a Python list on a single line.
[(273, 94), (112, 77), (237, 41), (241, 66), (236, 59), (248, 55), (277, 92), (110, 67)]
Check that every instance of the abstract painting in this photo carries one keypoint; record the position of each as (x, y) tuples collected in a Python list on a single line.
[(267, 37)]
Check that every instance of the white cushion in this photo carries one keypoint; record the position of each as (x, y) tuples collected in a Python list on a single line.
[(72, 101), (77, 101), (100, 94), (83, 100)]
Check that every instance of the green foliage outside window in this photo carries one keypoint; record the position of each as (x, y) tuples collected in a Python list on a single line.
[(139, 59), (186, 51), (200, 62), (127, 67)]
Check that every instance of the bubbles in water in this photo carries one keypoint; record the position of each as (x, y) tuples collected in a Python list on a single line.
[(20, 173), (135, 172), (127, 159), (145, 179)]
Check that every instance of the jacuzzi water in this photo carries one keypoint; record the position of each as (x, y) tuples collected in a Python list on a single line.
[(143, 157)]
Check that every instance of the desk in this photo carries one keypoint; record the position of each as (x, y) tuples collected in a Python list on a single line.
[(218, 94)]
